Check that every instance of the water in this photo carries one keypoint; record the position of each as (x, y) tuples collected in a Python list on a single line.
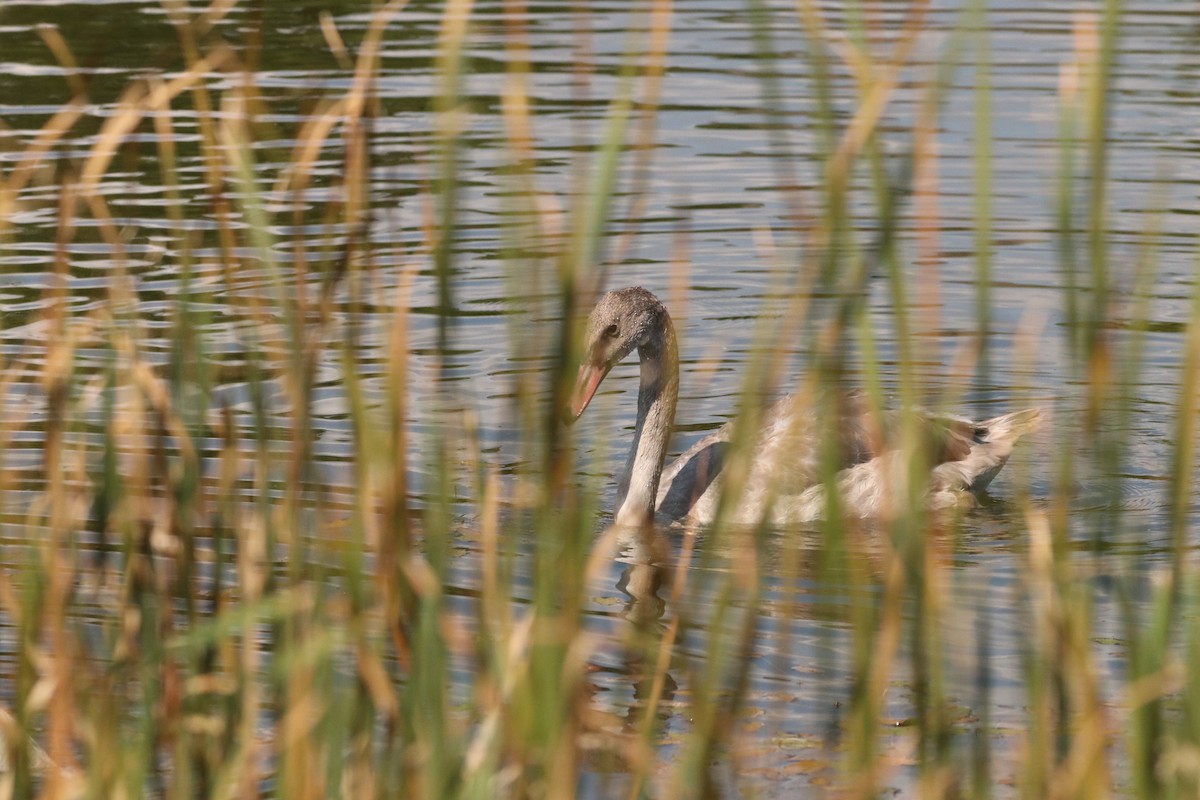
[(716, 183)]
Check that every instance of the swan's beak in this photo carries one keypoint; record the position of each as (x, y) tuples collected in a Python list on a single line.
[(586, 384)]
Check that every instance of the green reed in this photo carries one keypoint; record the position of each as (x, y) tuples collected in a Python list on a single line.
[(331, 653)]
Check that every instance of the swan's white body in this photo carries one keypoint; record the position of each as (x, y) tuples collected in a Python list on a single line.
[(782, 484)]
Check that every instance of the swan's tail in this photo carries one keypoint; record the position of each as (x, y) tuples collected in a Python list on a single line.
[(990, 446), (1010, 427)]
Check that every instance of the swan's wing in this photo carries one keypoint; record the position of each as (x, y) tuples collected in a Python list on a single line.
[(790, 448), (687, 480), (690, 486), (784, 461)]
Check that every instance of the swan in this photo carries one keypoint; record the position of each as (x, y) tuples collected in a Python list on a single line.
[(783, 484)]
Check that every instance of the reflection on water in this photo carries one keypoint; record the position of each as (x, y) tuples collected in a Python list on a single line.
[(713, 176)]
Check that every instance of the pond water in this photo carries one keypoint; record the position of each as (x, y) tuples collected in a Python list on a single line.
[(715, 182)]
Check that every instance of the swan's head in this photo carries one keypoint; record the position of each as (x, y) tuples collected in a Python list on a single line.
[(622, 320)]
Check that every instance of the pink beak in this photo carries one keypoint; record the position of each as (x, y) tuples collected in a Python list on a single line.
[(586, 384)]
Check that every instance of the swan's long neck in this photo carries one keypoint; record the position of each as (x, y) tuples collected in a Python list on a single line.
[(638, 490)]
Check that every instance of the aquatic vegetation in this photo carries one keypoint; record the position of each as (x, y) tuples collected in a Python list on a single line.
[(266, 541)]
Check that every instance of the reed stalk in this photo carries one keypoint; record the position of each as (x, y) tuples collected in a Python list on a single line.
[(218, 587)]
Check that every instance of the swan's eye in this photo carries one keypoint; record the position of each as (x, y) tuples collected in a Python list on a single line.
[(611, 332)]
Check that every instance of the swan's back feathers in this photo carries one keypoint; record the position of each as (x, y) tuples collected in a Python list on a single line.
[(784, 479)]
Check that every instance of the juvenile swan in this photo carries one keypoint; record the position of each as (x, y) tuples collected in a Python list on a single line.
[(783, 483)]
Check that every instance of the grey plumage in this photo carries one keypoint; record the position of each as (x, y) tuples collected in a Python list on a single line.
[(782, 481)]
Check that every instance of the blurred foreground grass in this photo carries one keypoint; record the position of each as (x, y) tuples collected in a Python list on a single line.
[(177, 640)]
